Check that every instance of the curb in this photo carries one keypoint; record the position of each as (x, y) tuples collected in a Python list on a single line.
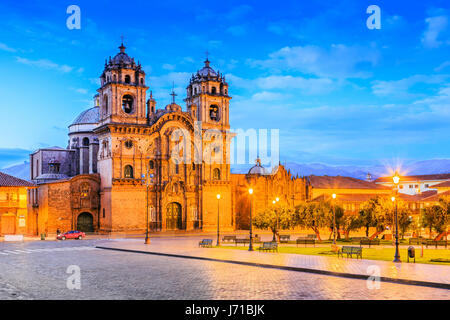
[(298, 269)]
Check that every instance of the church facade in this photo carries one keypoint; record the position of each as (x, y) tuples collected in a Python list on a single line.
[(128, 164)]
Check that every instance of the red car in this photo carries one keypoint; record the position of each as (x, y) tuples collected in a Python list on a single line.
[(71, 235)]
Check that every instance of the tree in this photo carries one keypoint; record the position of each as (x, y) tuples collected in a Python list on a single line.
[(367, 214), (435, 217), (404, 220), (274, 219), (310, 215), (350, 222)]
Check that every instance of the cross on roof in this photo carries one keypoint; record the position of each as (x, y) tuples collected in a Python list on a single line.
[(173, 94)]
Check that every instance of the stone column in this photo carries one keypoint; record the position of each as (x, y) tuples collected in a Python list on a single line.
[(84, 159), (93, 151)]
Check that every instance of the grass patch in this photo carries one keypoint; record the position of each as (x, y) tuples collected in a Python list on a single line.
[(430, 256)]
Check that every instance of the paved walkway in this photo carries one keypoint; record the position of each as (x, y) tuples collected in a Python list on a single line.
[(416, 274)]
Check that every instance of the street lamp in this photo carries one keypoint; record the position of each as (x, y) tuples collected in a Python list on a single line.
[(274, 203), (396, 179), (250, 246), (218, 198), (334, 218)]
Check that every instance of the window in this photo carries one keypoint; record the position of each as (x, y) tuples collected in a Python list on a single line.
[(411, 186), (151, 164), (214, 112), (127, 103), (104, 213), (216, 174), (226, 91), (193, 166), (195, 91), (105, 99), (177, 168), (128, 144), (127, 79), (84, 190), (128, 172), (86, 141), (213, 90), (427, 185), (401, 186), (142, 81), (416, 186)]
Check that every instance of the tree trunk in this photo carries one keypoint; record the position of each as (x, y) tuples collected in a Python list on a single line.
[(367, 231), (316, 231), (347, 234)]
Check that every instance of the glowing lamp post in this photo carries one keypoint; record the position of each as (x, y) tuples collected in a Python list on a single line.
[(396, 179), (218, 232), (250, 245), (274, 203)]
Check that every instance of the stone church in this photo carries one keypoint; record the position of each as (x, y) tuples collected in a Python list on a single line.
[(128, 164)]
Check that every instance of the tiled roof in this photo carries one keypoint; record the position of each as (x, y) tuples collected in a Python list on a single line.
[(350, 197), (442, 185), (338, 182), (441, 176), (9, 181), (437, 196)]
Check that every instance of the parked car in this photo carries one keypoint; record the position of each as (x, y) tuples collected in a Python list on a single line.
[(71, 235)]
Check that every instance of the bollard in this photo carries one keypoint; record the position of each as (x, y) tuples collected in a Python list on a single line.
[(42, 236)]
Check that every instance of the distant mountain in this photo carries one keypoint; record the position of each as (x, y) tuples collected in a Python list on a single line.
[(360, 172), (434, 166), (21, 171)]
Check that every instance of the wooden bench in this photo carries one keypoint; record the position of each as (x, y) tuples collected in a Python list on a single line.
[(306, 241), (434, 243), (241, 240), (205, 243), (284, 238), (228, 238), (350, 251), (373, 242), (311, 236), (269, 246), (417, 241)]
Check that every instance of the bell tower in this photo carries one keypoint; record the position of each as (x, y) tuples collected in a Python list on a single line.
[(207, 98), (123, 91)]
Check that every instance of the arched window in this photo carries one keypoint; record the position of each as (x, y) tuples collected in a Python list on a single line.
[(127, 103), (213, 90), (151, 164), (142, 81), (127, 79), (105, 102), (195, 91), (216, 174), (128, 171), (86, 141), (115, 78), (214, 112), (177, 168)]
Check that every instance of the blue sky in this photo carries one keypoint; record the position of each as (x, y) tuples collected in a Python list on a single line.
[(339, 92)]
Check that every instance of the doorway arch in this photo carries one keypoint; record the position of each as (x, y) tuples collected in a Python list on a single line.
[(174, 219), (85, 222)]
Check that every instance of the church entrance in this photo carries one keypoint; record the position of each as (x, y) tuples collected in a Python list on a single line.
[(85, 222), (173, 216)]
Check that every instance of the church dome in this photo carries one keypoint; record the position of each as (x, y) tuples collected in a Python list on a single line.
[(207, 70), (89, 116), (257, 169)]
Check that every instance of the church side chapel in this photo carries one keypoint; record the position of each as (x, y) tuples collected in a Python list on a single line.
[(119, 170)]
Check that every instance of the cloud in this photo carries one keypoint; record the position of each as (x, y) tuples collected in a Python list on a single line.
[(282, 84), (402, 87), (168, 66), (337, 61), (435, 26), (269, 96), (442, 66), (44, 64), (81, 90), (4, 47)]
